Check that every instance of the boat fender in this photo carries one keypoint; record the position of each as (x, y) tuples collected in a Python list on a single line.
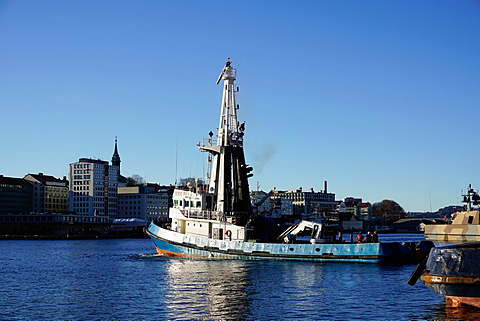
[(417, 272), (228, 233)]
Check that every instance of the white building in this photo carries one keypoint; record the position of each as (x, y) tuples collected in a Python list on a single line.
[(93, 188), (309, 203)]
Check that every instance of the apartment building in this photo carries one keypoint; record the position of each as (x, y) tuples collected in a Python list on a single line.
[(50, 194), (93, 188)]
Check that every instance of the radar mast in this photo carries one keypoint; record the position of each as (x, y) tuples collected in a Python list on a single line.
[(229, 172)]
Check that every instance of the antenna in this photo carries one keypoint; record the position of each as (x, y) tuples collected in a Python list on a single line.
[(430, 196), (220, 77), (176, 157), (223, 71)]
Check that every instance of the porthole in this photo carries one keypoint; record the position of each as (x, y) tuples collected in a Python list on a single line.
[(292, 249)]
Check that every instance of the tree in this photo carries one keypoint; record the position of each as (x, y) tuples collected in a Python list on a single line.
[(135, 180), (194, 181), (387, 206)]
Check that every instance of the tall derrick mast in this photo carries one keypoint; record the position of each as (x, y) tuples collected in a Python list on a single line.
[(229, 172)]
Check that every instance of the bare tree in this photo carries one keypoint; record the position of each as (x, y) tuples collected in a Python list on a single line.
[(135, 180), (193, 180)]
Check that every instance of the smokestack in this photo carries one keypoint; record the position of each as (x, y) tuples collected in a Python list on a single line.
[(325, 186)]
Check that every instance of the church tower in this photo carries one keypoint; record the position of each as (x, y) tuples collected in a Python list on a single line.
[(122, 181), (116, 157)]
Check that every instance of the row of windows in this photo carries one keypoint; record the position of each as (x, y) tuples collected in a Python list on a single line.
[(57, 195), (81, 165), (80, 205), (84, 199), (81, 176), (197, 204), (81, 182), (56, 208), (81, 171), (130, 207), (309, 197), (56, 201), (79, 193), (57, 189), (129, 202), (81, 188)]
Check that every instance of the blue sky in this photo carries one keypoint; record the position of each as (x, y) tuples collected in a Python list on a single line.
[(379, 98)]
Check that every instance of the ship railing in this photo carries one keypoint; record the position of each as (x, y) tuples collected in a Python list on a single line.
[(206, 215), (233, 140), (212, 141), (213, 215)]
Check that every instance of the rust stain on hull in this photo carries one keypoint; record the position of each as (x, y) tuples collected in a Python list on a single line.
[(172, 254)]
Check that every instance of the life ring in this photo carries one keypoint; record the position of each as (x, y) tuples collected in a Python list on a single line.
[(228, 233)]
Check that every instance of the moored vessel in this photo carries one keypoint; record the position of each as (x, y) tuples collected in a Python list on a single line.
[(217, 220), (464, 226), (454, 272)]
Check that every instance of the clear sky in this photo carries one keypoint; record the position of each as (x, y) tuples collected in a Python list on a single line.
[(379, 98)]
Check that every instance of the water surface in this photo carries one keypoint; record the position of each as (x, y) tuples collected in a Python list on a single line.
[(122, 280)]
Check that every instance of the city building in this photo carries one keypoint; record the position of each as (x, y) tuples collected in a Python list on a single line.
[(349, 222), (52, 225), (16, 196), (146, 202), (261, 202), (93, 188), (50, 194), (366, 211), (309, 204), (352, 205)]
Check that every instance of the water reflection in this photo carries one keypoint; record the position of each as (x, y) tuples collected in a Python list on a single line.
[(282, 290), (462, 312), (444, 311), (235, 289), (207, 289), (266, 290)]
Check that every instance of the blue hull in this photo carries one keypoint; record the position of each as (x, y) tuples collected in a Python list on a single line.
[(171, 243)]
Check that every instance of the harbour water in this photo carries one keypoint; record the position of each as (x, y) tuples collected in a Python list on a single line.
[(122, 280)]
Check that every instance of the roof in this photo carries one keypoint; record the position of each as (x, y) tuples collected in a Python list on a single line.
[(346, 217), (13, 181), (45, 178)]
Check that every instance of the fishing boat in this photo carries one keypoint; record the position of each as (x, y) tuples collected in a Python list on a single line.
[(452, 271), (217, 220), (464, 226)]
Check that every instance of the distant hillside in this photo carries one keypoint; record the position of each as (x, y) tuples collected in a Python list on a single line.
[(441, 213)]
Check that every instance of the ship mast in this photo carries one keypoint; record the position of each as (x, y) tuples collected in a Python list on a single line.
[(228, 128), (229, 172)]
